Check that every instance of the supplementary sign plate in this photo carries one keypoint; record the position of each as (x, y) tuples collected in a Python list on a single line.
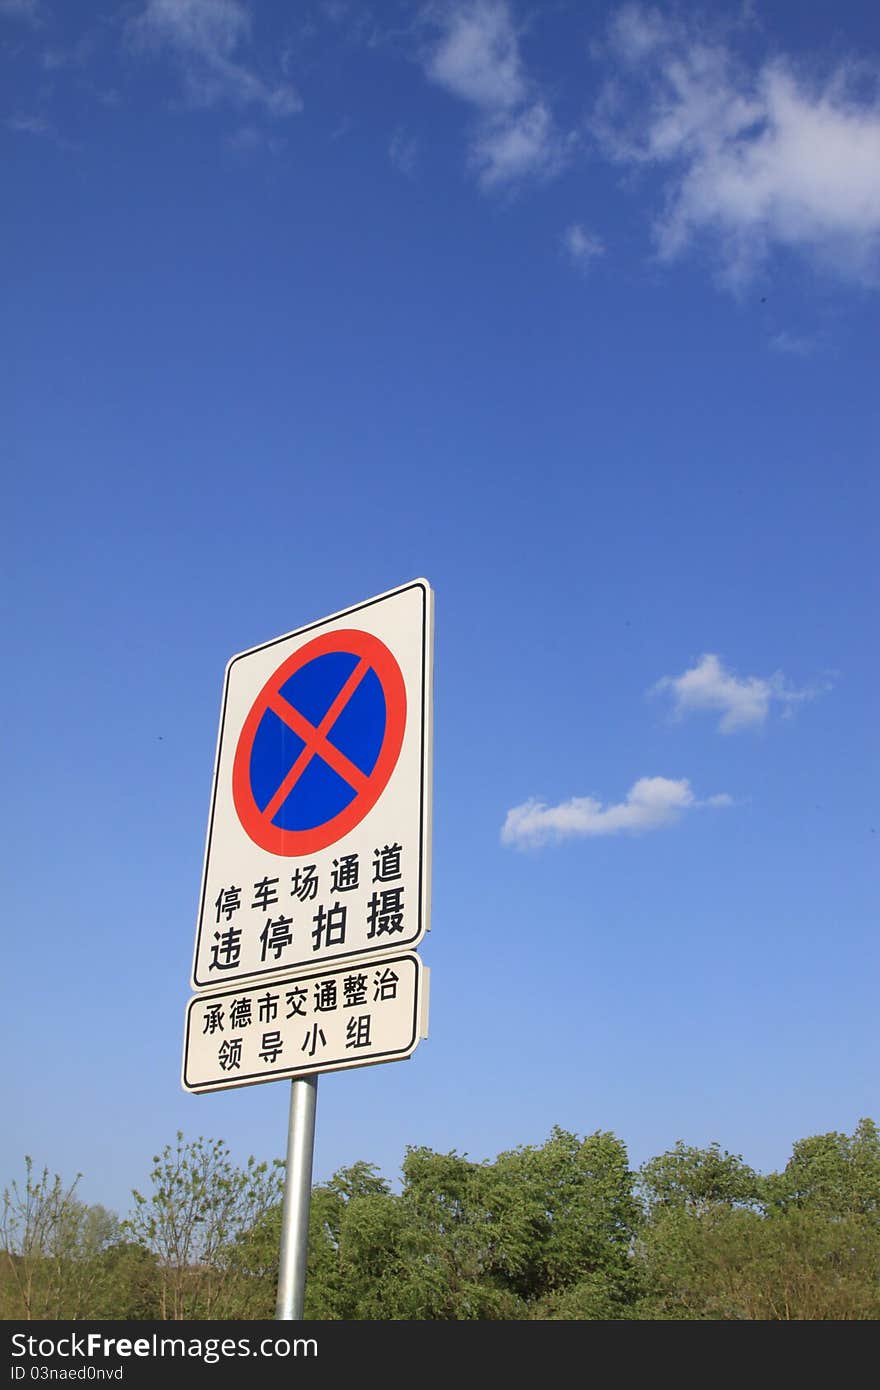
[(369, 1011)]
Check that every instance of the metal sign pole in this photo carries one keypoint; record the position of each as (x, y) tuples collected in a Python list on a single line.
[(297, 1199)]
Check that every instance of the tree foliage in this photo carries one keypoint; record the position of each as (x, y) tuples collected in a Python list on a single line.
[(64, 1259), (838, 1174), (561, 1230), (465, 1240), (723, 1242), (193, 1220)]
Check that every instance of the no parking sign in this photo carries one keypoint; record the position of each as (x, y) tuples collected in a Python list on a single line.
[(318, 843)]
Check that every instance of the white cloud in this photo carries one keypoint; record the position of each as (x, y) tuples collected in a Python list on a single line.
[(477, 59), (758, 158), (205, 36), (651, 804), (581, 246), (516, 144), (742, 701)]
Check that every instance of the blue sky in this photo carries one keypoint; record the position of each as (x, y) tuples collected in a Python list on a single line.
[(570, 310)]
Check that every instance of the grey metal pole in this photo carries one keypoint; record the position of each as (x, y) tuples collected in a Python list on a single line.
[(297, 1199)]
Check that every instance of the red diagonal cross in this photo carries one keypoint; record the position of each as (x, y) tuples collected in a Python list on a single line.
[(316, 740)]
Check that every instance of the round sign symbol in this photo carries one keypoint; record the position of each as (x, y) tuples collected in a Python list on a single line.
[(319, 744)]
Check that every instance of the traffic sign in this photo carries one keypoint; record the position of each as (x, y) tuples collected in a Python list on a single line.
[(294, 787), (318, 843), (367, 1012)]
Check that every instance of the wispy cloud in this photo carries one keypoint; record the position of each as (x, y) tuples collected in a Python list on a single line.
[(24, 123), (474, 54), (28, 10), (743, 701), (758, 157), (250, 139), (403, 151), (798, 344), (31, 123), (581, 246), (353, 19), (76, 56), (652, 803), (205, 38)]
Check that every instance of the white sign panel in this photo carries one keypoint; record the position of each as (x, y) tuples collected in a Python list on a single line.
[(318, 844), (370, 1011)]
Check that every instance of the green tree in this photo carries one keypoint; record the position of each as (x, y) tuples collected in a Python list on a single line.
[(722, 1242), (577, 1218), (838, 1174), (129, 1287), (54, 1248), (200, 1207), (738, 1264), (698, 1181), (331, 1289), (466, 1240), (464, 1234)]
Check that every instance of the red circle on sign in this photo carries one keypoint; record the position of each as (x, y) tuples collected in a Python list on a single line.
[(375, 656)]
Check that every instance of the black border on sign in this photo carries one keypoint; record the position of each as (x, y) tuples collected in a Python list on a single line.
[(424, 849), (286, 1073)]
